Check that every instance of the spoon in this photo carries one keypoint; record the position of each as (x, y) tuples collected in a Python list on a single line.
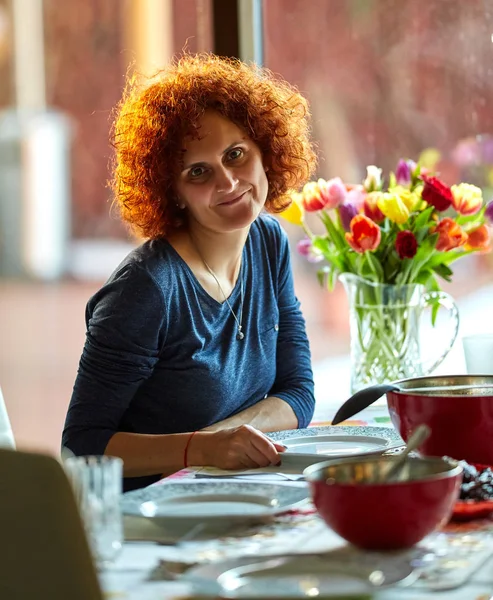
[(417, 437)]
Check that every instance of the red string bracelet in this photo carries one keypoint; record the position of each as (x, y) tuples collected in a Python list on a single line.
[(185, 454)]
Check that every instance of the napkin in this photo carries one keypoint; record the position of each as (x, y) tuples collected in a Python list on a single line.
[(265, 474)]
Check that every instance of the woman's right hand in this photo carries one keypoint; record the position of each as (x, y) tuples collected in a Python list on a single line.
[(241, 447)]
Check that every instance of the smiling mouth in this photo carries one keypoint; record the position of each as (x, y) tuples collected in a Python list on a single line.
[(233, 200)]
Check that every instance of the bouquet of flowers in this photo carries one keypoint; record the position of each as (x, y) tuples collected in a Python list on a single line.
[(408, 231), (390, 242)]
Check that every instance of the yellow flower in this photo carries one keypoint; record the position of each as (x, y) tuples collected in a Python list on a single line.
[(467, 199), (294, 213), (393, 207), (409, 198)]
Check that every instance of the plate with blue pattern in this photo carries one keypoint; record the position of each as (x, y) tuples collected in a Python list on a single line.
[(213, 502)]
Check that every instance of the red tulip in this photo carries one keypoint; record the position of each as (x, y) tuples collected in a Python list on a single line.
[(406, 244), (436, 193), (365, 234)]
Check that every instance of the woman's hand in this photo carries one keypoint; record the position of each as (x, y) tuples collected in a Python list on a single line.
[(235, 448)]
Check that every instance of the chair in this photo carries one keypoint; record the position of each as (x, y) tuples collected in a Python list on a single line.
[(6, 433), (45, 553)]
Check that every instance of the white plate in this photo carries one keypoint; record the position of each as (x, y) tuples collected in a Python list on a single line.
[(335, 446), (301, 576), (212, 503)]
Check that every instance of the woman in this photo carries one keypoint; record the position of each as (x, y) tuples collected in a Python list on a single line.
[(196, 344)]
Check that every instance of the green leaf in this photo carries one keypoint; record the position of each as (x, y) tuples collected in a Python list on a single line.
[(466, 219), (423, 256), (331, 254), (443, 271), (422, 219), (424, 277), (335, 235)]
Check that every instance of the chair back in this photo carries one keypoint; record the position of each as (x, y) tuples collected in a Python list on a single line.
[(45, 553)]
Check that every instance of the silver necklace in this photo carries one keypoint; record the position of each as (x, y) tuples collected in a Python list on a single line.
[(239, 335)]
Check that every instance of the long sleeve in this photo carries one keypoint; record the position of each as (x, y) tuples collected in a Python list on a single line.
[(126, 325), (294, 378)]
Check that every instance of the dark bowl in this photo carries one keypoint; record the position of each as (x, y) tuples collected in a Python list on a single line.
[(373, 515), (458, 409)]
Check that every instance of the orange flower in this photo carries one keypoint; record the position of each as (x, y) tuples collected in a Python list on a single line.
[(365, 234), (478, 239), (450, 235)]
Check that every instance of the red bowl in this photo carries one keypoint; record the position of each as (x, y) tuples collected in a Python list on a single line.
[(384, 516), (458, 411)]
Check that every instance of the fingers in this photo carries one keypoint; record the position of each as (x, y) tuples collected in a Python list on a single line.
[(280, 447), (246, 447), (257, 457), (266, 448)]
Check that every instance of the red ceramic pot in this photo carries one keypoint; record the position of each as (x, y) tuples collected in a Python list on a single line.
[(458, 409), (384, 516)]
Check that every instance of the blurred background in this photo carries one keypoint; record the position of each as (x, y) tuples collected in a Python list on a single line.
[(385, 79)]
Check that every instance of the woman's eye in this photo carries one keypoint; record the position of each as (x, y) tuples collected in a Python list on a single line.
[(235, 154), (196, 172)]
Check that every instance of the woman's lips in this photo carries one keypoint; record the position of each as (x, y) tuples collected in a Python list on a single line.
[(233, 200)]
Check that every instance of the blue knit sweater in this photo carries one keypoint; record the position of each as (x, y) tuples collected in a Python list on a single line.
[(161, 355)]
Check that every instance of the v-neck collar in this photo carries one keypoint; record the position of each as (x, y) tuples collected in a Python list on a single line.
[(200, 288)]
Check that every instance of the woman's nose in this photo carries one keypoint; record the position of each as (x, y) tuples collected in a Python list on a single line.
[(226, 180)]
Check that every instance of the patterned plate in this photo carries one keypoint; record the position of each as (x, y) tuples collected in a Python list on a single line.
[(212, 502)]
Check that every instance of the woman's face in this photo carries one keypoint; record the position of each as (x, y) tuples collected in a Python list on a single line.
[(222, 184)]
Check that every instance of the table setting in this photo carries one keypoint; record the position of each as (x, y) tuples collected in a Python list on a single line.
[(354, 510), (203, 532)]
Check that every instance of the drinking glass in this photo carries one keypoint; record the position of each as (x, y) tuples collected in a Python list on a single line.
[(97, 483), (478, 352)]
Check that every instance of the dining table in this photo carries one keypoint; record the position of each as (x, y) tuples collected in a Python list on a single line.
[(455, 563)]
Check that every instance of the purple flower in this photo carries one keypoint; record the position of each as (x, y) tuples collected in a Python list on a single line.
[(404, 171), (347, 211), (305, 248), (488, 213)]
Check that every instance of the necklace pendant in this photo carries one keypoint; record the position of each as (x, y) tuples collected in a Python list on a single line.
[(240, 335)]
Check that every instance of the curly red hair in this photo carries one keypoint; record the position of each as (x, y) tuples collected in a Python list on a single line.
[(153, 119)]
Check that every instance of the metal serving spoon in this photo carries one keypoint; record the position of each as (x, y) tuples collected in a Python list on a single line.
[(417, 437), (361, 400)]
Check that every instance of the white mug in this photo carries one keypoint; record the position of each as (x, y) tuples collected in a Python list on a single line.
[(478, 352)]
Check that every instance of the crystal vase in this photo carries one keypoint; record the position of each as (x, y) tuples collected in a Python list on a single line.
[(385, 323)]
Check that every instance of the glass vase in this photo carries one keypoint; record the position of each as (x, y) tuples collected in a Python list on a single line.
[(385, 323)]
